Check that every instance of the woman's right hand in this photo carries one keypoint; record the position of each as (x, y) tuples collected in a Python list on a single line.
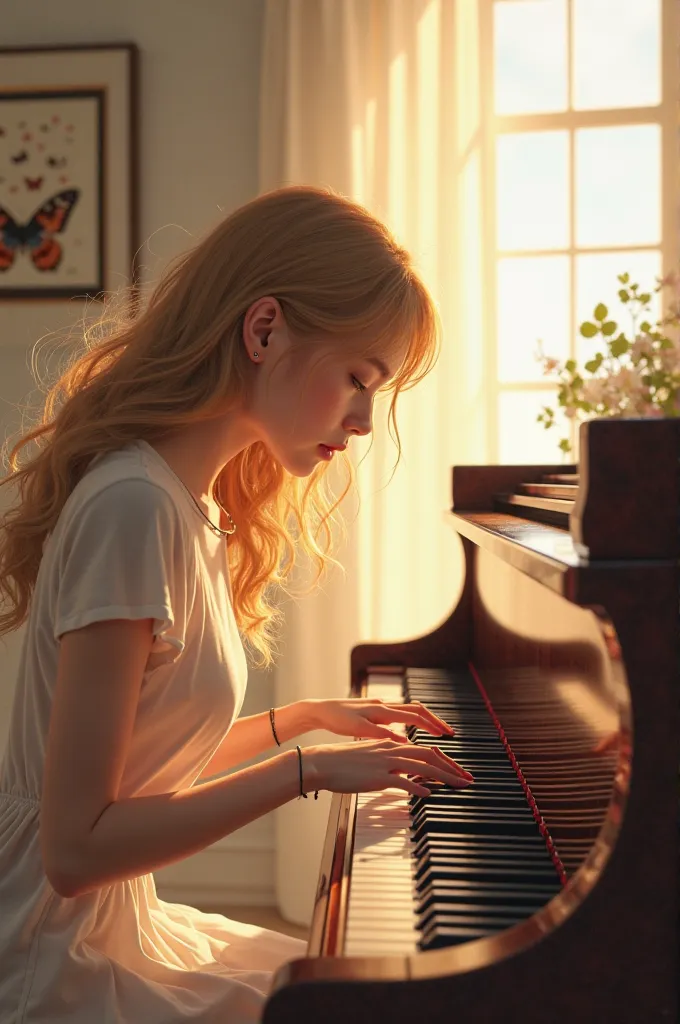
[(367, 765)]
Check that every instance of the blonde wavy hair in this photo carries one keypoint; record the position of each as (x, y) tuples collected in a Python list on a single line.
[(147, 369)]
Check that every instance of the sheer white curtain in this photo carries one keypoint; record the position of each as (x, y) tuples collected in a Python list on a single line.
[(379, 99)]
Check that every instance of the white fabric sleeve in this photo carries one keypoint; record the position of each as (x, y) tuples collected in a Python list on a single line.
[(126, 555)]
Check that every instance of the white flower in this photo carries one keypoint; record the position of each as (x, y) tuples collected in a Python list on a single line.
[(594, 390), (628, 381), (550, 365), (670, 359), (642, 346), (649, 410)]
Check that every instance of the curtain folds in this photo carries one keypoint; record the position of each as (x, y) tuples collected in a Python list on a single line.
[(379, 99)]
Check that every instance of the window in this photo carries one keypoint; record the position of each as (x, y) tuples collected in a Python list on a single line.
[(580, 185)]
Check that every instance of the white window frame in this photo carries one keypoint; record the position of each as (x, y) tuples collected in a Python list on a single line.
[(665, 115)]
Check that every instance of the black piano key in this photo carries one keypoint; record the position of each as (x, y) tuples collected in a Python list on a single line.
[(507, 891), (474, 810), (522, 873), (486, 893), (440, 797), (432, 866), (491, 820), (469, 906), (436, 937), (479, 855), (436, 842), (437, 917)]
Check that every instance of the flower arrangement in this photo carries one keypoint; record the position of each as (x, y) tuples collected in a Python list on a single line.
[(636, 374)]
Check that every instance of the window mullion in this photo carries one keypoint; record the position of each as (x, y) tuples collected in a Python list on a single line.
[(489, 231), (670, 182), (571, 265)]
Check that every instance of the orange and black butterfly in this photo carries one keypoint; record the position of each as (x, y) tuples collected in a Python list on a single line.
[(37, 234)]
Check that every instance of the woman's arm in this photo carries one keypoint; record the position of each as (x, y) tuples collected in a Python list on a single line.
[(137, 836), (251, 736), (90, 836)]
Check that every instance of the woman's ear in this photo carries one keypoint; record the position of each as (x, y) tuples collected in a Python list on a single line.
[(258, 324)]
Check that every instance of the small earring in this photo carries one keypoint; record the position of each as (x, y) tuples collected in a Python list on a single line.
[(255, 354)]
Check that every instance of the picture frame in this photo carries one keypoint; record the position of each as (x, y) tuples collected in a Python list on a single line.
[(68, 170)]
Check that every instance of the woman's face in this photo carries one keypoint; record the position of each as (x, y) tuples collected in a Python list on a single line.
[(310, 396)]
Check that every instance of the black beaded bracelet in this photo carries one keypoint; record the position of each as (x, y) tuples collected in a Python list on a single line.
[(271, 719), (316, 794)]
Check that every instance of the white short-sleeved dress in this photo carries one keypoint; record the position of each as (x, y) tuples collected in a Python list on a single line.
[(129, 543)]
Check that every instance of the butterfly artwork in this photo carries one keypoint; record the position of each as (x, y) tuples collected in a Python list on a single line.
[(36, 237), (68, 177), (48, 198)]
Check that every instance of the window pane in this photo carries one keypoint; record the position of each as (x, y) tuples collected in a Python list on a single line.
[(532, 190), (520, 438), (530, 56), (596, 281), (533, 303), (618, 185), (617, 53)]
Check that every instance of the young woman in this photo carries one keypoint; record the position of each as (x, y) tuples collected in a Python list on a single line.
[(180, 463)]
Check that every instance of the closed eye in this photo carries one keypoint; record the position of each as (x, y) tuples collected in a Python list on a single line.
[(357, 383)]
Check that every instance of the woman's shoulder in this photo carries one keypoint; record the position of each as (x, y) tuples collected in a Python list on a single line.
[(121, 479), (117, 493)]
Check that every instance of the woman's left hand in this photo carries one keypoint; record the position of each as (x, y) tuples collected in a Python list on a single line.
[(366, 718)]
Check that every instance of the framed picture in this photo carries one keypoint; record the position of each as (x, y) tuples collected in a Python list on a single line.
[(68, 169)]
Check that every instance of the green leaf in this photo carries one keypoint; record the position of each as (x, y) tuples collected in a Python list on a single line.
[(570, 365), (608, 328), (645, 327), (593, 365), (623, 295), (564, 445), (644, 297), (624, 278), (600, 312), (588, 330), (657, 379), (619, 346)]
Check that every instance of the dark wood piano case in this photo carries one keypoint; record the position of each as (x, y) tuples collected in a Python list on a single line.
[(593, 549)]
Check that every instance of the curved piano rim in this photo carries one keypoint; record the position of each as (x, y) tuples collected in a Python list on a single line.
[(330, 908)]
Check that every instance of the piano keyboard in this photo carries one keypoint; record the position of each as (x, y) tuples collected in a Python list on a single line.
[(436, 871)]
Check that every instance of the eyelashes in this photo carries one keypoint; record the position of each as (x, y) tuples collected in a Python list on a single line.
[(358, 386)]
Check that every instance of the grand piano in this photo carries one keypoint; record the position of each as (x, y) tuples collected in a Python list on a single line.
[(547, 891)]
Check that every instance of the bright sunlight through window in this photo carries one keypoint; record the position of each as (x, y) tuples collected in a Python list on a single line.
[(582, 182)]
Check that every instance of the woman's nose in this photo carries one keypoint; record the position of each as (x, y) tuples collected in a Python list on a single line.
[(360, 425), (360, 420)]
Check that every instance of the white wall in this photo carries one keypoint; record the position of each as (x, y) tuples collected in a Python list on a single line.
[(199, 95)]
